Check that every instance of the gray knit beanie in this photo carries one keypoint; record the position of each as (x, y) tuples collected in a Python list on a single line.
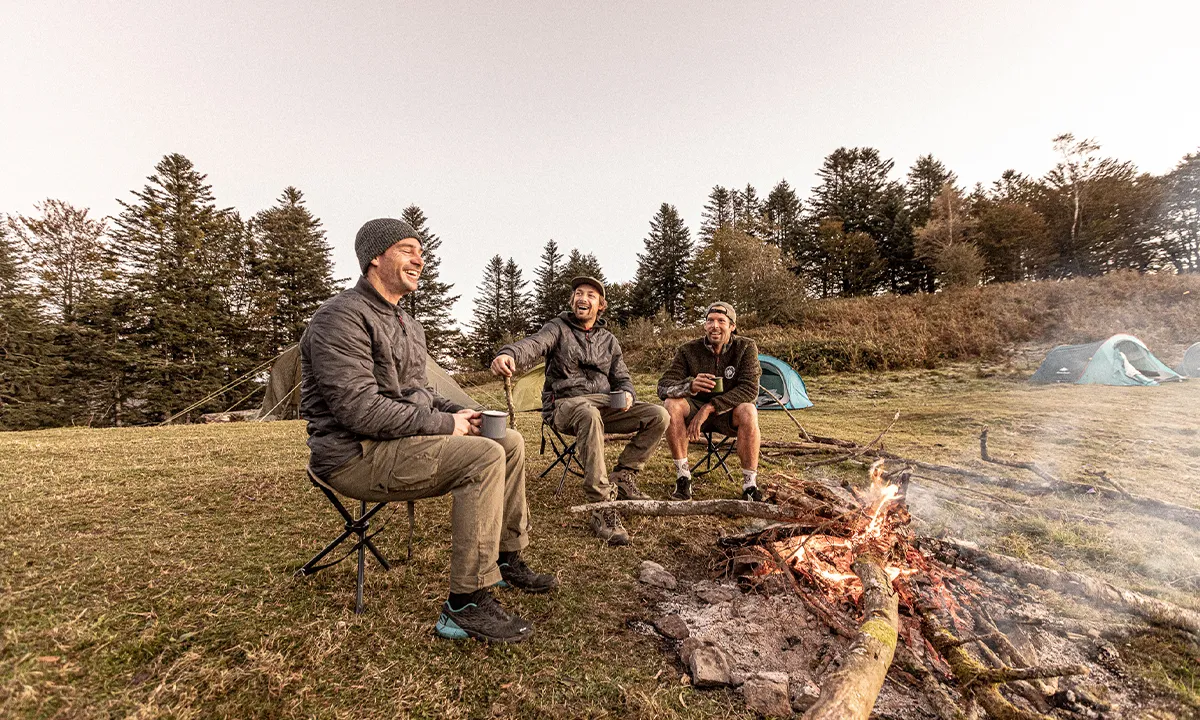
[(376, 236)]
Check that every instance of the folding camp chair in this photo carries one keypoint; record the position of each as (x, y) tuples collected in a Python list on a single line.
[(564, 454), (359, 526), (715, 454)]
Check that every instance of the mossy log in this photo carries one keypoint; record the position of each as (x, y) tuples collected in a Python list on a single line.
[(849, 693)]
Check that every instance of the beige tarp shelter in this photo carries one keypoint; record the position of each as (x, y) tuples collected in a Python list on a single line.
[(282, 401), (527, 393)]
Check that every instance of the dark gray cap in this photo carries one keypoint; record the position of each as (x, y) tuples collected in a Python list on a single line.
[(584, 280), (376, 236), (725, 309)]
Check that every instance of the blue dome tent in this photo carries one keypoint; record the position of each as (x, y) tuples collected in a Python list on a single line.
[(781, 379), (1119, 360)]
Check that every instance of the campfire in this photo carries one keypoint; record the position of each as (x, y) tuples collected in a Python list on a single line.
[(955, 631)]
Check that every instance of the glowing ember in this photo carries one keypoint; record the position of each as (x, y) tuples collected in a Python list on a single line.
[(827, 559)]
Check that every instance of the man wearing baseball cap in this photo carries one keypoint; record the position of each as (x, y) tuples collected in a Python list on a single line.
[(711, 385), (378, 432), (583, 366)]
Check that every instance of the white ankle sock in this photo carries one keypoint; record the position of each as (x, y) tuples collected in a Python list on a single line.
[(681, 468), (749, 479)]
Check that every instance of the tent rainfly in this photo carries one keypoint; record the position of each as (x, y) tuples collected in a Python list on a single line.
[(777, 376), (1119, 360), (1190, 367), (282, 400), (783, 380)]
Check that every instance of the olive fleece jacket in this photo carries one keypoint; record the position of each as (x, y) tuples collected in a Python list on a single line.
[(363, 378), (578, 361), (737, 363)]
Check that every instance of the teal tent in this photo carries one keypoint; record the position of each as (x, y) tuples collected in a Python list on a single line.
[(1190, 367), (783, 380), (1119, 360)]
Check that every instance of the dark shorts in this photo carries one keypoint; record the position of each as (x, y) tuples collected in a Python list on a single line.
[(722, 423)]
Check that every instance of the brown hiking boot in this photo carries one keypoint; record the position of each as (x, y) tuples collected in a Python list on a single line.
[(607, 526), (627, 489)]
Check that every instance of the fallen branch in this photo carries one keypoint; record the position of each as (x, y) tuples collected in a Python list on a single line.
[(803, 433), (849, 693), (859, 451), (976, 682), (683, 508), (1154, 611), (1032, 467)]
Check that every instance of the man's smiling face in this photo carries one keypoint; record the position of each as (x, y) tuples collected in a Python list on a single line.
[(718, 329), (586, 304), (400, 266)]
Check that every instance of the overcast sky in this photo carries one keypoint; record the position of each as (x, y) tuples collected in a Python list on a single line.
[(512, 123)]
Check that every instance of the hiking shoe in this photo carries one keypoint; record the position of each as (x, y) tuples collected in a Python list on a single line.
[(519, 575), (683, 488), (627, 489), (607, 526), (752, 493), (483, 619)]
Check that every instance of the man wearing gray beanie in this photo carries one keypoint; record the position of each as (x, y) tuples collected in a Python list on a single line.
[(378, 432)]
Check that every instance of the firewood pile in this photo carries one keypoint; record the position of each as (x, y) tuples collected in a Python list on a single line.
[(833, 607)]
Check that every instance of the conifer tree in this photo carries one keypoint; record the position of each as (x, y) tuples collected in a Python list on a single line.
[(432, 301), (747, 211), (293, 269), (550, 289), (183, 257), (782, 218), (718, 213), (1181, 215), (28, 366), (661, 278), (516, 304), (580, 264), (487, 321)]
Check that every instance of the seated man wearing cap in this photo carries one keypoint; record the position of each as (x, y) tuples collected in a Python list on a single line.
[(689, 392), (377, 432), (583, 365)]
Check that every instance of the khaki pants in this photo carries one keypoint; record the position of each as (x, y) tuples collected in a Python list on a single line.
[(486, 478), (588, 417)]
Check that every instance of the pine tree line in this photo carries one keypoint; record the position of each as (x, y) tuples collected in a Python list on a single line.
[(127, 320)]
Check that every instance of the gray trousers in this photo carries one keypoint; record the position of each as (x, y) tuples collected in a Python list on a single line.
[(588, 417), (485, 477)]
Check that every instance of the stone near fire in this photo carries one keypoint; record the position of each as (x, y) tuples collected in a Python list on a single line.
[(766, 693), (686, 648), (714, 594), (710, 666), (803, 695), (672, 626), (656, 575)]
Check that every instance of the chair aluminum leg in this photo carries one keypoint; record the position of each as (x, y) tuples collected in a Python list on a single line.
[(362, 563)]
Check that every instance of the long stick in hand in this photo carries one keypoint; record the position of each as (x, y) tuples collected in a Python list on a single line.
[(512, 413)]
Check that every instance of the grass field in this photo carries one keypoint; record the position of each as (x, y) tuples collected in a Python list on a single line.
[(148, 572)]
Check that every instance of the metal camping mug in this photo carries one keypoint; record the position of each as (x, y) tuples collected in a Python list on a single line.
[(720, 386), (493, 424), (616, 399)]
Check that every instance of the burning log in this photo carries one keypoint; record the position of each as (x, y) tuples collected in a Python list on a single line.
[(850, 691), (682, 508), (1157, 612)]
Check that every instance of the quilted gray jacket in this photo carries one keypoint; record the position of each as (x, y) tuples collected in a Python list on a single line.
[(578, 361), (363, 377)]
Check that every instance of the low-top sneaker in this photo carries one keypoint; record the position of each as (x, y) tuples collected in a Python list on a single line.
[(519, 575), (482, 619), (683, 488)]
